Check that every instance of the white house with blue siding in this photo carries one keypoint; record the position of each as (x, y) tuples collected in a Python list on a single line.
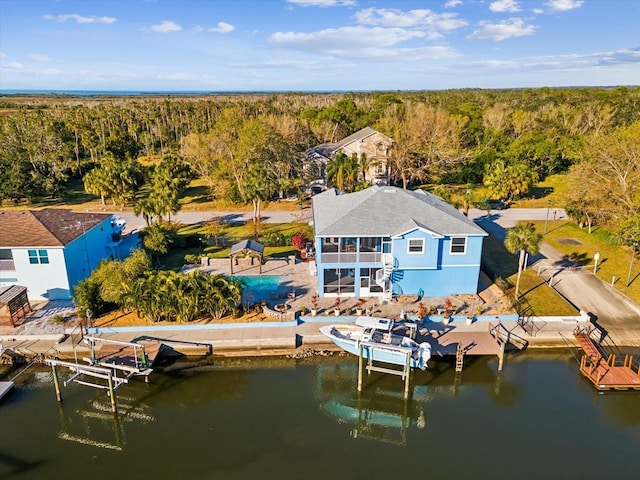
[(49, 251), (386, 241)]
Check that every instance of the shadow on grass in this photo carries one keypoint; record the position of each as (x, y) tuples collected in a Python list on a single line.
[(196, 194)]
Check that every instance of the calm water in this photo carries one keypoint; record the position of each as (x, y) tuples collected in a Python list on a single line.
[(281, 419)]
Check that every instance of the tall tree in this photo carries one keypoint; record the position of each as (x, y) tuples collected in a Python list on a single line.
[(524, 239), (342, 171)]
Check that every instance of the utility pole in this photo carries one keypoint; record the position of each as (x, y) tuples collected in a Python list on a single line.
[(547, 219), (633, 256)]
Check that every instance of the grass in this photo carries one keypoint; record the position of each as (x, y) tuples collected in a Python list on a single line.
[(276, 233), (614, 259), (535, 292)]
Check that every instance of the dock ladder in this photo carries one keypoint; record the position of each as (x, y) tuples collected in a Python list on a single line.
[(459, 357)]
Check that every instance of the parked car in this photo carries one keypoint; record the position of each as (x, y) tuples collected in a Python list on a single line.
[(492, 205)]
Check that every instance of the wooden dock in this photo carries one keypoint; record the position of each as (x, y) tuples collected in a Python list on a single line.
[(111, 365), (446, 341), (612, 373), (136, 358)]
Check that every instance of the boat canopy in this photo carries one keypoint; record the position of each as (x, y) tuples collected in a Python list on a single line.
[(378, 323)]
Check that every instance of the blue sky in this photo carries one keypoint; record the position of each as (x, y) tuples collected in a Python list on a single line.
[(311, 45)]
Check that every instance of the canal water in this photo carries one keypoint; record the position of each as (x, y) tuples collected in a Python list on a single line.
[(287, 419)]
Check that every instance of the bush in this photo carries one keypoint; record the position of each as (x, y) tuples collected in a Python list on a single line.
[(273, 239), (193, 258), (298, 241)]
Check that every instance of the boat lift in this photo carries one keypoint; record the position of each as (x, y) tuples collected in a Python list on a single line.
[(126, 358), (404, 372)]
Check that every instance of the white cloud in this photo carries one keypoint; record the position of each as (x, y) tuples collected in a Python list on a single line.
[(386, 17), (573, 62), (452, 3), (361, 43), (36, 57), (538, 11), (504, 6), (11, 66), (3, 55), (323, 3), (222, 27), (79, 18), (563, 5), (513, 27), (166, 26), (343, 38)]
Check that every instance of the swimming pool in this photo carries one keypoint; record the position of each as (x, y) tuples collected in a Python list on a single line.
[(260, 287)]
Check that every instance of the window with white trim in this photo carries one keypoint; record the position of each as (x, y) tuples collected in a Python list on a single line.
[(415, 245), (458, 245), (38, 256)]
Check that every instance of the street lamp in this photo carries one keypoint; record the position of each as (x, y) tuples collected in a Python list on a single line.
[(633, 255), (547, 219)]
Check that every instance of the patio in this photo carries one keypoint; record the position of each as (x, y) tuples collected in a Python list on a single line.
[(299, 285)]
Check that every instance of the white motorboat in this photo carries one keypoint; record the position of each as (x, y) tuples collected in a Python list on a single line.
[(374, 336)]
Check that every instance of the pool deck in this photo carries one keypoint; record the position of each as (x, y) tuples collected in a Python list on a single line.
[(298, 285)]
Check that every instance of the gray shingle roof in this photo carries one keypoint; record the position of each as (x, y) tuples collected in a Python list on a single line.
[(387, 211)]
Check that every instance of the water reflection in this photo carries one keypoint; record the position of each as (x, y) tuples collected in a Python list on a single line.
[(282, 418), (95, 424), (382, 413)]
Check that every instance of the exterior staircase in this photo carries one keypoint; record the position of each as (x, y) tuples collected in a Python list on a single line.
[(383, 276)]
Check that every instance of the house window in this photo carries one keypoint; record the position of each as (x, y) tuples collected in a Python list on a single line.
[(339, 281), (38, 256), (6, 260), (458, 245), (416, 245)]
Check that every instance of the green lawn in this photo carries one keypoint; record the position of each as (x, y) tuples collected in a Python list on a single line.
[(614, 259), (535, 292), (275, 236)]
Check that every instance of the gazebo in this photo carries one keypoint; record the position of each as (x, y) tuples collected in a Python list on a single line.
[(246, 248)]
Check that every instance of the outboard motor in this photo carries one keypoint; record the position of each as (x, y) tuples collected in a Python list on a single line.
[(425, 355)]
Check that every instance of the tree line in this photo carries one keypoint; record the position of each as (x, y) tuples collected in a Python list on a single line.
[(250, 148)]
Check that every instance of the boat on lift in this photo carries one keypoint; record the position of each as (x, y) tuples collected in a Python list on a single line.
[(374, 337)]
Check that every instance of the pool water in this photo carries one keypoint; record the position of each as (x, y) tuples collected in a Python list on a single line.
[(261, 288)]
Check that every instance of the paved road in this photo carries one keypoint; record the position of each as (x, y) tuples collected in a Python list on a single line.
[(271, 216)]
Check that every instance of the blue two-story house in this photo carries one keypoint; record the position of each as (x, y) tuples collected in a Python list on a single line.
[(386, 241)]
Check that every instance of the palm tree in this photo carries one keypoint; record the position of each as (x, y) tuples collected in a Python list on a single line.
[(522, 238), (343, 171)]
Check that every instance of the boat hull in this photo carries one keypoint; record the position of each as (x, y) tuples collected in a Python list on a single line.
[(350, 339)]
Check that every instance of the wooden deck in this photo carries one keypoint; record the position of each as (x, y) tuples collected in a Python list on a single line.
[(609, 374)]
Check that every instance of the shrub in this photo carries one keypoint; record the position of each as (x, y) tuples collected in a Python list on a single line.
[(192, 258), (298, 241)]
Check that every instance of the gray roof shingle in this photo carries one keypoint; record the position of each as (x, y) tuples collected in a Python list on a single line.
[(387, 211)]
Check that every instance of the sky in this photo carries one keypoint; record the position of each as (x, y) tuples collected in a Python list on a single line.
[(317, 45)]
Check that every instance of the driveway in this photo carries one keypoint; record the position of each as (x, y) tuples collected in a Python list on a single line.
[(609, 308)]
